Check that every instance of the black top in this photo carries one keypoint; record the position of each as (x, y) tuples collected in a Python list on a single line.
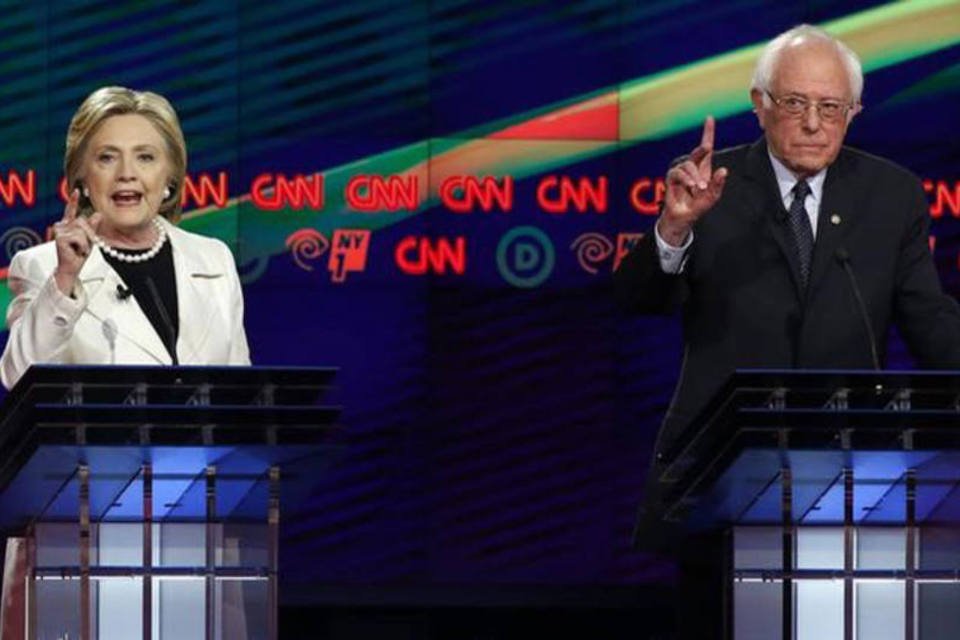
[(154, 286)]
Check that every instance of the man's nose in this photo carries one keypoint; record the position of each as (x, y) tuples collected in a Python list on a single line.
[(811, 118)]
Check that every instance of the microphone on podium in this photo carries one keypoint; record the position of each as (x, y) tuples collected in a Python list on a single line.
[(843, 257)]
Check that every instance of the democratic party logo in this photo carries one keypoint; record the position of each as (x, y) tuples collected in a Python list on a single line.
[(525, 257)]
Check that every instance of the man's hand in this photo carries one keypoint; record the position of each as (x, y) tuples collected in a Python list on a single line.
[(74, 239), (693, 187)]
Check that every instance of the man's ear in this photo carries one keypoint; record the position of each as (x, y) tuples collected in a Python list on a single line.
[(756, 97), (857, 108)]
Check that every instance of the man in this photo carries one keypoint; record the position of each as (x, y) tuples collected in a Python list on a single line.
[(757, 245), (754, 242)]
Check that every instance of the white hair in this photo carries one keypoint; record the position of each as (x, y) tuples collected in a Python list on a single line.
[(763, 73)]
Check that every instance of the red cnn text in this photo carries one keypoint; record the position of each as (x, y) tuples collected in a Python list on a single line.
[(946, 197), (557, 194), (200, 191), (419, 256), (274, 191), (462, 194), (370, 193), (646, 195), (15, 187)]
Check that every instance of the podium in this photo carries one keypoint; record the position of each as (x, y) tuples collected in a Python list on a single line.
[(145, 501), (840, 491)]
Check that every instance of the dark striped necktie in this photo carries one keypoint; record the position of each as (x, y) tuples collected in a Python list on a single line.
[(802, 232)]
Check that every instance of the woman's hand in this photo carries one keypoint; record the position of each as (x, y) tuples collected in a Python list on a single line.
[(74, 239)]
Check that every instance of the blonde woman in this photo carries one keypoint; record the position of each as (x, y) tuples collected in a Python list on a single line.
[(120, 284)]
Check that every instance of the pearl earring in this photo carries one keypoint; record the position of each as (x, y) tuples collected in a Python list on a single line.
[(86, 192), (166, 193)]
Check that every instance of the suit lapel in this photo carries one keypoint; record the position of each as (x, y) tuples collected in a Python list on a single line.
[(765, 197), (195, 309), (100, 282), (837, 211)]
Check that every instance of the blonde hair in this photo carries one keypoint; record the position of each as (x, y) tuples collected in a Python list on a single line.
[(115, 101)]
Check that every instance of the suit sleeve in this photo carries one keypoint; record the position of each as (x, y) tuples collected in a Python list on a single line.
[(928, 318), (641, 285), (239, 350), (40, 317)]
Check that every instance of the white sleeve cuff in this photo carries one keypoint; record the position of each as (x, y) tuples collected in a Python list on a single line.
[(66, 310), (672, 259)]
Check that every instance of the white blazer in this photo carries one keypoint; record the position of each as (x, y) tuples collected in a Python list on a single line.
[(47, 326)]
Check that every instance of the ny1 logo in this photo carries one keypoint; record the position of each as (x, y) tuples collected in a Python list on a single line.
[(348, 249)]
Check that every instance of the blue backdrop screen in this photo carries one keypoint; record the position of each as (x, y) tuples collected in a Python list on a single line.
[(432, 196)]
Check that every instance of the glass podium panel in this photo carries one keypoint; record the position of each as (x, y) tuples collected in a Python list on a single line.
[(57, 613)]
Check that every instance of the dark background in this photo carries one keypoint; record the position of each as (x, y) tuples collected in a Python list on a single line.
[(497, 436)]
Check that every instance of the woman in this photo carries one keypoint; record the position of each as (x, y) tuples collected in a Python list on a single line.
[(120, 284)]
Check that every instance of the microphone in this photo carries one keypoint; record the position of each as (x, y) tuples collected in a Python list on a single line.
[(164, 317), (123, 293), (844, 259)]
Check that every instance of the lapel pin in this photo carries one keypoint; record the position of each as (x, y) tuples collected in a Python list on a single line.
[(835, 219)]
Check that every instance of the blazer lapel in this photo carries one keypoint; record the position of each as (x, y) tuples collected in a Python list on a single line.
[(765, 197), (100, 282), (837, 211), (195, 309)]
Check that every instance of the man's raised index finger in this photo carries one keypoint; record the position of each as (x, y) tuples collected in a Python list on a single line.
[(708, 128)]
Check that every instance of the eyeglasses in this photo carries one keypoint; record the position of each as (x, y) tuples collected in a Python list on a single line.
[(828, 110)]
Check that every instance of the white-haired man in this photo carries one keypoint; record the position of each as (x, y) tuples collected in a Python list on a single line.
[(758, 244), (753, 242)]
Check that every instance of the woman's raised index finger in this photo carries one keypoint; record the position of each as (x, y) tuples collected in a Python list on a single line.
[(70, 211)]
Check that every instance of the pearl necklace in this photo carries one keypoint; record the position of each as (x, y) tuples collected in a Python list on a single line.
[(135, 257)]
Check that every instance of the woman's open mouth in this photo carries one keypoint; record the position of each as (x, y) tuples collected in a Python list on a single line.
[(127, 198)]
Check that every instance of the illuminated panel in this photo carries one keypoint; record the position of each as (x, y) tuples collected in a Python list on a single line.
[(652, 107), (577, 129)]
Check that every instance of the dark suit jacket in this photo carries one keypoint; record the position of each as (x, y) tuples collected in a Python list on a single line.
[(742, 305)]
